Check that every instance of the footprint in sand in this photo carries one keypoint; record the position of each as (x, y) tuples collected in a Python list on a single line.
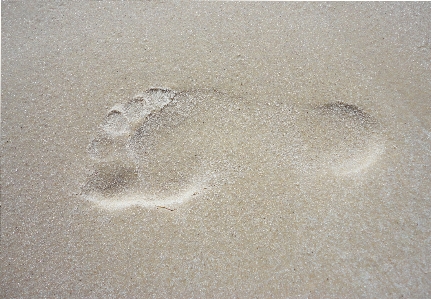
[(163, 148)]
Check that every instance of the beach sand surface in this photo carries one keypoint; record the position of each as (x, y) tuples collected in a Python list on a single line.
[(215, 150)]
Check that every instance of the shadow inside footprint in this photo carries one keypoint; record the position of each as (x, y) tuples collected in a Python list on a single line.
[(347, 111), (111, 178)]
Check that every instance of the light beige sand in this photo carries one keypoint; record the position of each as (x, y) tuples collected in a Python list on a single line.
[(216, 150)]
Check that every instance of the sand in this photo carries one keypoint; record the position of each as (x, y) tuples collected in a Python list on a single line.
[(216, 150)]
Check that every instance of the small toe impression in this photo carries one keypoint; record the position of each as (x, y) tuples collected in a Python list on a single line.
[(116, 124)]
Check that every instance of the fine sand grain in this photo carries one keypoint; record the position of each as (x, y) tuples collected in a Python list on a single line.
[(216, 150)]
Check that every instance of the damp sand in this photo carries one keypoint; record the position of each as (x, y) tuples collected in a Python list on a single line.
[(216, 150)]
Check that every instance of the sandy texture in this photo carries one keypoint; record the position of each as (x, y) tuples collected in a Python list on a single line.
[(216, 150)]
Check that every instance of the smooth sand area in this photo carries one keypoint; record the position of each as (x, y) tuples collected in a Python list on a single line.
[(216, 150)]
